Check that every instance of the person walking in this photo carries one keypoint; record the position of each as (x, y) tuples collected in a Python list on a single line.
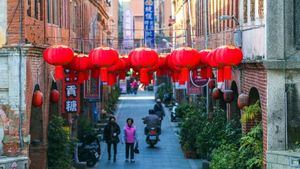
[(134, 86), (130, 138), (111, 136)]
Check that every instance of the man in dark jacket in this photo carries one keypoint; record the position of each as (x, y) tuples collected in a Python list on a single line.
[(111, 136), (159, 109)]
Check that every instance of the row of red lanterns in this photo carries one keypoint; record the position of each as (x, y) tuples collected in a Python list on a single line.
[(106, 64)]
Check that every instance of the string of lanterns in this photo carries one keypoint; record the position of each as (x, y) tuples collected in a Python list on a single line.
[(106, 64)]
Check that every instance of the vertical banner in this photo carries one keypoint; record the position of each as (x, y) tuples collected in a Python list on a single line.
[(149, 23), (70, 92)]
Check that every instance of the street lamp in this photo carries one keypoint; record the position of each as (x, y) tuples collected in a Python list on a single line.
[(238, 32)]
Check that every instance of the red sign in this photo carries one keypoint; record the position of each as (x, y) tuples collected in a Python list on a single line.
[(191, 89), (70, 92), (197, 80), (92, 89)]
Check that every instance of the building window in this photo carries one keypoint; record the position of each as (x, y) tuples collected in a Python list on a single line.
[(49, 11), (41, 10), (252, 10), (297, 23), (261, 9), (29, 8), (245, 6), (36, 9), (293, 114)]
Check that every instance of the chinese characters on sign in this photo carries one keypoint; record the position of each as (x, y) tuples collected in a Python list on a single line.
[(149, 24), (71, 92)]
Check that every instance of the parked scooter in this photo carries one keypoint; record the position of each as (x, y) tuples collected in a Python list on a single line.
[(89, 150), (152, 136)]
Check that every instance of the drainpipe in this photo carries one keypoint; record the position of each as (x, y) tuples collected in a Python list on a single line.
[(206, 46), (20, 75)]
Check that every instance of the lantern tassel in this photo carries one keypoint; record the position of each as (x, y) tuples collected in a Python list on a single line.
[(95, 73), (184, 76), (144, 76), (122, 75), (59, 72), (227, 72), (220, 75), (111, 79), (104, 74), (209, 72)]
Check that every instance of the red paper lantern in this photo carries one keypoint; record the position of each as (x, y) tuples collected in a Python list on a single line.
[(58, 55), (37, 99), (186, 59), (228, 56), (204, 64), (216, 93), (228, 96), (243, 100), (54, 96), (143, 59), (82, 64), (103, 58)]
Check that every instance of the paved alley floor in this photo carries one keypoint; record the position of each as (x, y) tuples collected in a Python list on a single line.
[(166, 155)]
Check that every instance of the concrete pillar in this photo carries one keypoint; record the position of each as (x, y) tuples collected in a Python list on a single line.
[(275, 29), (276, 110)]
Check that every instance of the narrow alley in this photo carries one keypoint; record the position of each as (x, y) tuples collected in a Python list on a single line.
[(167, 154)]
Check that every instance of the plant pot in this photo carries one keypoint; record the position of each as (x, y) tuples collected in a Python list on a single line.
[(190, 154), (11, 149)]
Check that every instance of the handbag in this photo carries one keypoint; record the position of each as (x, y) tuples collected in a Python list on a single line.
[(136, 148)]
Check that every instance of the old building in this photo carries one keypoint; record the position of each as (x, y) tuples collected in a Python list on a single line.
[(267, 32), (27, 27)]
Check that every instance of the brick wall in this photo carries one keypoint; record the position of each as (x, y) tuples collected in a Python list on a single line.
[(255, 75)]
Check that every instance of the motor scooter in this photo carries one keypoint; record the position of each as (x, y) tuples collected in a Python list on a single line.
[(152, 136), (89, 150)]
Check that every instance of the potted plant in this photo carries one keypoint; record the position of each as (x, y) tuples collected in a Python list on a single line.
[(251, 116)]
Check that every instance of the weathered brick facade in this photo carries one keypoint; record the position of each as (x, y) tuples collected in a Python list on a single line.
[(78, 24)]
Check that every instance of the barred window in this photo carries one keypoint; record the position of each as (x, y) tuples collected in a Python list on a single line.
[(245, 5), (261, 9), (252, 10)]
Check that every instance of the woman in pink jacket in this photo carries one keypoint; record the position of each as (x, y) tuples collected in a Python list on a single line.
[(130, 138)]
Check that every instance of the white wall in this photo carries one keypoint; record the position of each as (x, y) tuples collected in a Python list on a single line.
[(254, 43), (3, 21)]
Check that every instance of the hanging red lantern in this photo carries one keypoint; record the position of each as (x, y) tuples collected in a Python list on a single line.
[(243, 100), (82, 64), (186, 59), (228, 96), (103, 58), (211, 84), (58, 55), (228, 56), (54, 96), (143, 59), (205, 68), (37, 99), (112, 79), (216, 93)]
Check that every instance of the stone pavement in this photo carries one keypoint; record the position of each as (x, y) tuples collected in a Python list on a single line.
[(166, 155)]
